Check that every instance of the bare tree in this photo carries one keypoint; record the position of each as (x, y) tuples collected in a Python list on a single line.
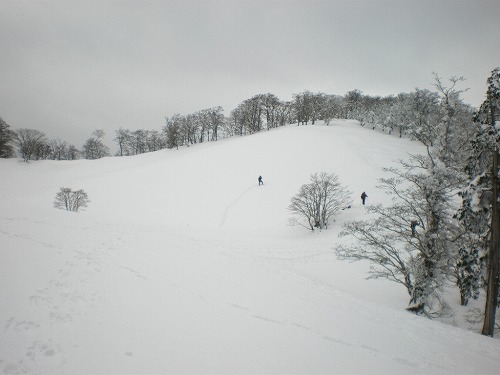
[(216, 117), (63, 199), (172, 130), (270, 104), (413, 242), (302, 105), (318, 201), (284, 113), (189, 128), (332, 108), (73, 153), (29, 142), (250, 115), (80, 200), (236, 122), (154, 140), (122, 137), (69, 200), (94, 148), (385, 242), (455, 128), (59, 149)]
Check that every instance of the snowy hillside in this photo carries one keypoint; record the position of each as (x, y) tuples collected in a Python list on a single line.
[(183, 264)]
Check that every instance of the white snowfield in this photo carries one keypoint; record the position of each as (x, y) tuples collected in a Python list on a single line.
[(182, 264)]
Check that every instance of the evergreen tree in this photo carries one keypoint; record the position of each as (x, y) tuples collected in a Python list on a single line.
[(6, 139), (474, 217), (480, 198)]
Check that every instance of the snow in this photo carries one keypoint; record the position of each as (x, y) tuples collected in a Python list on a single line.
[(183, 264)]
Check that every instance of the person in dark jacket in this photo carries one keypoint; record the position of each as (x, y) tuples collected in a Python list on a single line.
[(260, 181), (414, 225), (363, 197)]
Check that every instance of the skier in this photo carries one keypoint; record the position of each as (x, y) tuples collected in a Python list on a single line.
[(363, 197), (260, 181)]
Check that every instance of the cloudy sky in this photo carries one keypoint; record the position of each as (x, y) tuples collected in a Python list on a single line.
[(69, 67)]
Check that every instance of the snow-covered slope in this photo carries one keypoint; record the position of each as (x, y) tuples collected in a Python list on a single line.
[(183, 264)]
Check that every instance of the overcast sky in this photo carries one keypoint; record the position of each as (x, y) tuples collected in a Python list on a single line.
[(69, 67)]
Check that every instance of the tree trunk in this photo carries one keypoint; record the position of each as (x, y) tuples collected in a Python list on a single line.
[(493, 256)]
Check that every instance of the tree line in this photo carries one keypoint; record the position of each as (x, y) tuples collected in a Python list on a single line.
[(411, 114), (32, 144)]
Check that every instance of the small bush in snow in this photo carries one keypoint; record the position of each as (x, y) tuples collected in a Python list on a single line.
[(318, 201), (69, 200)]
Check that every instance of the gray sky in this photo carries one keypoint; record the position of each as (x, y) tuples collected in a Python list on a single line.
[(70, 67)]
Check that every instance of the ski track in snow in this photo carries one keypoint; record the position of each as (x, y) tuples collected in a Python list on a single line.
[(230, 205)]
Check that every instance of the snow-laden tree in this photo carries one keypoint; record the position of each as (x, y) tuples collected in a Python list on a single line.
[(73, 153), (235, 123), (474, 218), (332, 108), (399, 114), (215, 120), (454, 129), (302, 106), (7, 136), (138, 139), (318, 201), (318, 101), (270, 104), (154, 140), (30, 143), (262, 111), (251, 114), (134, 142), (475, 214), (172, 131), (94, 148), (412, 241), (353, 104), (60, 150), (284, 113), (189, 129), (422, 116), (480, 210), (309, 106)]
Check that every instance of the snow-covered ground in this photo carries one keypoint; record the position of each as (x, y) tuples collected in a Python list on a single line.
[(183, 264)]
